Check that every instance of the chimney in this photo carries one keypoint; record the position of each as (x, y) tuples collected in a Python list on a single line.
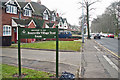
[(57, 15), (39, 1), (27, 0)]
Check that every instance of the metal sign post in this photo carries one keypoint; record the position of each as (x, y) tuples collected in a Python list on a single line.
[(57, 53), (19, 53), (32, 33)]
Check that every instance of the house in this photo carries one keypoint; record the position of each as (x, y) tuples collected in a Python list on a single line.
[(44, 13), (62, 23), (27, 14), (24, 23), (65, 24), (11, 11)]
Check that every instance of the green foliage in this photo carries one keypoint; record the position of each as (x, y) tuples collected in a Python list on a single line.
[(8, 72), (63, 45)]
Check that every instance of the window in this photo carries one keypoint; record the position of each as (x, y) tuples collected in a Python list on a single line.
[(53, 17), (11, 9), (27, 13), (45, 16), (6, 30)]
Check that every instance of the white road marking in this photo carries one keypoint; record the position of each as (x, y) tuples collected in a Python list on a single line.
[(107, 49), (97, 48), (110, 62)]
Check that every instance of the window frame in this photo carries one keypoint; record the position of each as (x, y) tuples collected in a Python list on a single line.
[(11, 9), (27, 12), (53, 17), (7, 31), (45, 15)]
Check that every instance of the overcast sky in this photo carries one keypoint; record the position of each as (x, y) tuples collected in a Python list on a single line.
[(70, 8)]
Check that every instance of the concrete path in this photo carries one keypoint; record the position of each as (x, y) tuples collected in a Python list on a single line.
[(94, 65)]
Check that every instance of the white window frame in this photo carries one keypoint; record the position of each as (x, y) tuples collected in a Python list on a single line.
[(7, 30), (27, 12), (45, 15), (11, 9), (53, 17)]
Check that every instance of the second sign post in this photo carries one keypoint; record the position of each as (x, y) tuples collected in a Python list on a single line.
[(43, 33)]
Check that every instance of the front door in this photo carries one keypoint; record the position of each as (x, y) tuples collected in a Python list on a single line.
[(15, 35)]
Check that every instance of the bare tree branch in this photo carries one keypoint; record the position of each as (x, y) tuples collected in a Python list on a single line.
[(92, 9), (89, 4)]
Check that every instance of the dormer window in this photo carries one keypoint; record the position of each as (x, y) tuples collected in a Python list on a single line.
[(11, 9), (45, 16), (28, 9), (27, 12), (53, 17)]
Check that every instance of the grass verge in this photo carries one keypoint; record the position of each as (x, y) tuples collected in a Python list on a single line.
[(8, 72), (63, 45)]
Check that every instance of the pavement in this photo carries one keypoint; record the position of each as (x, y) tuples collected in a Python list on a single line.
[(93, 62), (96, 62)]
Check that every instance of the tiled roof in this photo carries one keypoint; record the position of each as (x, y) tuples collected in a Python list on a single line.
[(50, 24), (24, 22), (39, 9), (22, 4)]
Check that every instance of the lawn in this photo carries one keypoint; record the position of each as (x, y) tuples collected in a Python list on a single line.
[(63, 45), (8, 72)]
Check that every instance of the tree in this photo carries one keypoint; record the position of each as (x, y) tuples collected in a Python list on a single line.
[(107, 22), (87, 5)]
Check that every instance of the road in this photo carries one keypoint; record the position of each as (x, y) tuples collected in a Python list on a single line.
[(93, 62), (109, 43), (43, 60)]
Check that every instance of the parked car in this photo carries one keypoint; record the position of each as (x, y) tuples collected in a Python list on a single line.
[(97, 36), (104, 35), (111, 35), (65, 34)]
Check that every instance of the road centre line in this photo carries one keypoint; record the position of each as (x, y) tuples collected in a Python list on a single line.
[(96, 48), (110, 62), (107, 49)]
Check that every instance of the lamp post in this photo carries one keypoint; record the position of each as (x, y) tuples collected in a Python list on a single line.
[(82, 23)]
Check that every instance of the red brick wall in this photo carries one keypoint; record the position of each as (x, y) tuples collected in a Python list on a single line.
[(7, 17), (0, 21), (29, 40), (31, 25), (13, 35)]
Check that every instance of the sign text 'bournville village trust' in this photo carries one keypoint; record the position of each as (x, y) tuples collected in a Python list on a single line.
[(37, 33), (25, 33)]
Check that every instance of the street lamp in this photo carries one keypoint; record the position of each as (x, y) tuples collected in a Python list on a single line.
[(82, 22)]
